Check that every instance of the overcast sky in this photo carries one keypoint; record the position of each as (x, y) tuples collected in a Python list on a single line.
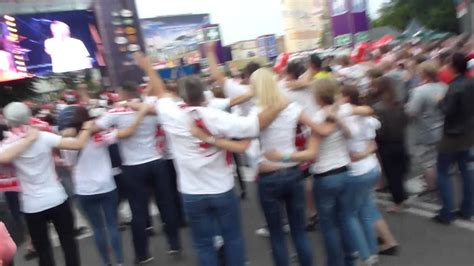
[(239, 19)]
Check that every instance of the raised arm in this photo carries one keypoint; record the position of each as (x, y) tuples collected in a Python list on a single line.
[(158, 87), (216, 73), (129, 131), (9, 154), (237, 146)]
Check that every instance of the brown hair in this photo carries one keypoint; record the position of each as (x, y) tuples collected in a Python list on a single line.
[(326, 89), (374, 73), (429, 70), (386, 91), (351, 92)]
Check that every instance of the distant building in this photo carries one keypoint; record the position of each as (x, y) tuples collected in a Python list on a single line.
[(304, 23)]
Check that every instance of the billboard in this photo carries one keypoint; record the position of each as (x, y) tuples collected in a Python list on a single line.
[(303, 22), (171, 38), (349, 21)]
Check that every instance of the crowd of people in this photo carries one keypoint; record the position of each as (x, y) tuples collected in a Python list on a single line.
[(318, 135)]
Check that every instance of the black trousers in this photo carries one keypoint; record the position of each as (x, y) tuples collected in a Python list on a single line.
[(61, 217), (395, 161)]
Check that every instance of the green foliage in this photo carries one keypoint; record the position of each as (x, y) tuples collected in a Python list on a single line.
[(437, 15)]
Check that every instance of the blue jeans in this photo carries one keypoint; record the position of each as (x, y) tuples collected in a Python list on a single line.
[(280, 188), (358, 217), (328, 193), (209, 214), (101, 211), (445, 186), (138, 179)]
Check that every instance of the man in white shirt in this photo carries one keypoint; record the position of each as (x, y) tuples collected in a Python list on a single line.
[(206, 178), (142, 166), (67, 54)]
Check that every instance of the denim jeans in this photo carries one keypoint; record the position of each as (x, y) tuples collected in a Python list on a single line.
[(445, 185), (101, 211), (357, 216), (328, 193), (138, 179), (278, 189), (211, 214)]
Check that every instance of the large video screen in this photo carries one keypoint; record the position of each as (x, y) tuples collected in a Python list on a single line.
[(11, 65), (59, 42)]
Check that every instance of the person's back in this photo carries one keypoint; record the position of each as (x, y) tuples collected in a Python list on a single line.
[(423, 106), (202, 170), (138, 148), (281, 133), (458, 107), (41, 189)]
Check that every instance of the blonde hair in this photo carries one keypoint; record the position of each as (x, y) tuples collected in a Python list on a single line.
[(267, 93), (326, 90)]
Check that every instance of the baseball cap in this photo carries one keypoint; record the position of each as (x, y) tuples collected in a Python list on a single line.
[(17, 113)]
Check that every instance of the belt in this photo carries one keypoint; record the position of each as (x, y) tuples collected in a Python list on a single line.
[(279, 171), (332, 172)]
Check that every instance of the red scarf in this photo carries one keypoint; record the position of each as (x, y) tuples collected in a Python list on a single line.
[(199, 122)]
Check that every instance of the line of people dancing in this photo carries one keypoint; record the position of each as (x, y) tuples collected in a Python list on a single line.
[(184, 135)]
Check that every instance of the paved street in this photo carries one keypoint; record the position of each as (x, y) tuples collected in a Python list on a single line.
[(422, 242)]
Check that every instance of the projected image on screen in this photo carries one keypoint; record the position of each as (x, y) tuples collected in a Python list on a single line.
[(8, 48), (59, 42)]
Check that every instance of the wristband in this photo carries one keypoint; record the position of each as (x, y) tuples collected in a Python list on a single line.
[(286, 158)]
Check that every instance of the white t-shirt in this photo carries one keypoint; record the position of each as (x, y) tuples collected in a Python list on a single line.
[(218, 103), (280, 135), (363, 129), (333, 151), (41, 189), (68, 55), (139, 148), (232, 89), (304, 97), (202, 170), (162, 142), (93, 173)]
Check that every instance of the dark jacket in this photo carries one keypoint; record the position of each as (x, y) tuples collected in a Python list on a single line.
[(458, 108)]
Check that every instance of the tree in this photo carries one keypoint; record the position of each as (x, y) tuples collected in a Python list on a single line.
[(437, 15)]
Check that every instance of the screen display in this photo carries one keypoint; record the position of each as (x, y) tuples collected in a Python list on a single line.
[(11, 64), (59, 42), (174, 38)]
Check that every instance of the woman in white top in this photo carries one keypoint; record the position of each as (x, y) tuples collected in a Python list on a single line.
[(94, 182), (43, 197), (364, 170), (280, 183), (330, 169)]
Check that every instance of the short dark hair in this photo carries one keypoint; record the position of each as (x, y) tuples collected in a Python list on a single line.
[(249, 69), (295, 68), (81, 115), (316, 61), (459, 63), (191, 90), (351, 92), (130, 88)]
